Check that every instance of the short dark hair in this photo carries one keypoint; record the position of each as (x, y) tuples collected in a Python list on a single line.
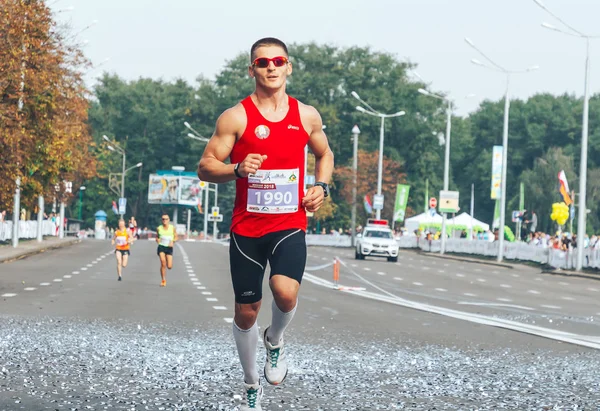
[(267, 41)]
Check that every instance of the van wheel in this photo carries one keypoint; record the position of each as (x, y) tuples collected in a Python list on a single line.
[(393, 259)]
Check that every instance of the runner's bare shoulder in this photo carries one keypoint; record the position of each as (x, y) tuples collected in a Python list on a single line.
[(232, 122), (310, 117)]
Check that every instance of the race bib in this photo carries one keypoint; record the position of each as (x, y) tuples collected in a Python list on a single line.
[(165, 240), (121, 240), (273, 191)]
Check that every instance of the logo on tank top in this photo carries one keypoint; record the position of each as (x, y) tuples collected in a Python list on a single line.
[(262, 132), (291, 127)]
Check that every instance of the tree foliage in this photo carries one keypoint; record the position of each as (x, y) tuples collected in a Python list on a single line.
[(44, 135)]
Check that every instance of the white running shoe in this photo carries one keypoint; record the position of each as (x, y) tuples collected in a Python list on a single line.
[(276, 368), (252, 395)]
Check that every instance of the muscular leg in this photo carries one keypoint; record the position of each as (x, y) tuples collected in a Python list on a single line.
[(285, 299), (119, 262), (163, 266), (125, 260), (245, 332), (169, 261)]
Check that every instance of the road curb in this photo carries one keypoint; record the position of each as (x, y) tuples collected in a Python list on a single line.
[(38, 250)]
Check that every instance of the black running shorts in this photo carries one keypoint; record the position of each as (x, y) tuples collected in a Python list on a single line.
[(123, 252), (284, 250), (163, 249)]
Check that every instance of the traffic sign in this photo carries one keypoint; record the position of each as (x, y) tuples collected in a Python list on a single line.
[(122, 205), (432, 202), (217, 218), (214, 211), (378, 201), (449, 202)]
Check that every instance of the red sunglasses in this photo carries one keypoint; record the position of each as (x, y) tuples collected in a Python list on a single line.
[(263, 62)]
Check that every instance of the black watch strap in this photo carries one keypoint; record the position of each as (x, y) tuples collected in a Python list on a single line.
[(236, 170), (324, 186)]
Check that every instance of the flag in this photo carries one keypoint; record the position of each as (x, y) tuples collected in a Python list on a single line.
[(401, 200), (564, 187), (114, 207), (496, 222), (368, 205)]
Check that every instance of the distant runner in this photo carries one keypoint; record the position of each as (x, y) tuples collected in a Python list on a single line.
[(166, 237), (122, 239)]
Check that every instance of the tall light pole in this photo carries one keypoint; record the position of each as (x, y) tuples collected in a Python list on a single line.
[(446, 154), (81, 190), (355, 134), (496, 67), (115, 147), (581, 217), (446, 157), (371, 111), (178, 170)]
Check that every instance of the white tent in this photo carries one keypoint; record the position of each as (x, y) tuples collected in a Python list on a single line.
[(465, 219), (413, 223)]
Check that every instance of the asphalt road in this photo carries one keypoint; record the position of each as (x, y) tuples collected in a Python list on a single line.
[(419, 334)]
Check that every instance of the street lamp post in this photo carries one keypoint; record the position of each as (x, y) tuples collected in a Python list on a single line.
[(355, 134), (116, 148), (496, 67), (446, 157), (81, 190), (179, 170), (371, 111), (581, 217)]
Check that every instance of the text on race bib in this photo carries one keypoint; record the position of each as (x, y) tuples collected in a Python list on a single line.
[(121, 240), (165, 240), (273, 191)]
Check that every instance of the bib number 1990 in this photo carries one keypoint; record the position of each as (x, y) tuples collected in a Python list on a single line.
[(273, 191)]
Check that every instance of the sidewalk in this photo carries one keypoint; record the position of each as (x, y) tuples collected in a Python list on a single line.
[(30, 247), (544, 268)]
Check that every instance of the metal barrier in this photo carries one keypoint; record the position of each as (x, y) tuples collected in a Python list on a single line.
[(512, 251), (27, 229)]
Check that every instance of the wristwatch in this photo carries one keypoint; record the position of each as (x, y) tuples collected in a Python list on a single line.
[(236, 170), (324, 186)]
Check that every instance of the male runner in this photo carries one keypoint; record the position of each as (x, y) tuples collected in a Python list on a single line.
[(265, 136), (122, 239), (165, 237)]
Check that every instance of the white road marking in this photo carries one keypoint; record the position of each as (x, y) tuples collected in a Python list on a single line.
[(416, 283), (398, 278), (193, 279), (506, 300), (505, 285), (380, 273), (57, 280), (89, 265), (425, 268), (515, 275), (470, 295), (206, 293), (353, 265), (567, 298), (201, 288), (8, 295), (481, 280), (213, 299), (539, 279), (67, 276), (579, 339), (75, 272), (192, 274), (196, 283), (367, 269), (30, 288), (563, 283), (190, 271), (554, 307), (228, 320), (44, 284), (592, 289), (460, 275), (496, 305), (441, 289), (219, 307), (533, 292), (83, 268)]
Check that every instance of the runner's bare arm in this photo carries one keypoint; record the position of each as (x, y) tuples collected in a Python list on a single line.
[(212, 165), (311, 119)]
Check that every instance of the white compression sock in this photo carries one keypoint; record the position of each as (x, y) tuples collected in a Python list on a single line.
[(246, 342), (279, 323)]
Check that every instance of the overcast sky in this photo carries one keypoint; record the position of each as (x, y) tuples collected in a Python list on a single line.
[(186, 38)]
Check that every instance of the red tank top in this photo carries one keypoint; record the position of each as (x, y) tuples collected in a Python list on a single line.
[(271, 200)]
